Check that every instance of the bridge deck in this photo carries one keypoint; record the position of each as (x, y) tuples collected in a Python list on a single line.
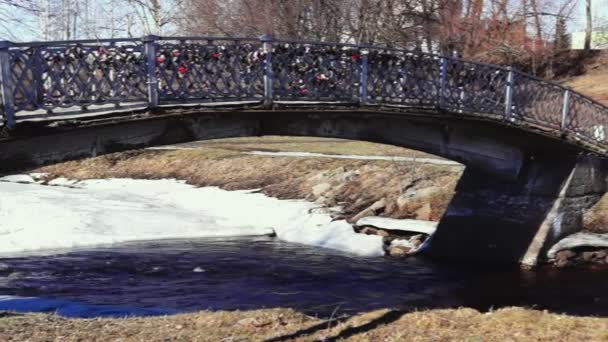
[(79, 81)]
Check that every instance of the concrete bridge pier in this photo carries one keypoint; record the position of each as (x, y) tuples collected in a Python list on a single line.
[(498, 220)]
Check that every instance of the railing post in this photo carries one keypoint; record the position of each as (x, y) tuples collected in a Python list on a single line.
[(6, 84), (267, 48), (565, 109), (363, 79), (443, 71), (509, 93), (150, 51)]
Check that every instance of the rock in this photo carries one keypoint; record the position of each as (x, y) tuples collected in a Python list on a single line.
[(565, 255), (369, 231), (416, 243), (378, 205), (579, 240), (419, 237), (358, 201), (320, 189), (402, 202), (406, 225), (424, 212), (348, 176), (398, 251), (587, 256), (382, 233), (318, 177), (391, 207), (370, 211), (321, 200), (403, 243), (562, 263), (326, 201), (361, 214), (601, 255), (422, 192)]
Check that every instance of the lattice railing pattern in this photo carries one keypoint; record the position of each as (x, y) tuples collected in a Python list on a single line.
[(473, 88), (206, 71), (538, 102), (588, 119), (402, 78), (316, 72), (50, 79), (78, 75)]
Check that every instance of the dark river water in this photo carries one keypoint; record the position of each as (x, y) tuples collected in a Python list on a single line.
[(162, 277)]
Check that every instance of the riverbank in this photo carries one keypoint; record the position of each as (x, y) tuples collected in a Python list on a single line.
[(408, 186), (401, 189), (513, 324)]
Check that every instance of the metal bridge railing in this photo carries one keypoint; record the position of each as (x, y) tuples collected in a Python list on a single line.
[(47, 80)]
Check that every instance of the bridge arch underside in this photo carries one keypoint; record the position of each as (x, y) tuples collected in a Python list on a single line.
[(521, 191)]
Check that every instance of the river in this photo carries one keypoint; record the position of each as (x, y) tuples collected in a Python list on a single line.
[(243, 273), (316, 266)]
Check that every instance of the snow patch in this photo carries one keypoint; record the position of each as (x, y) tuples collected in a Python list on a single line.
[(18, 179), (408, 225), (577, 240), (36, 217), (357, 157)]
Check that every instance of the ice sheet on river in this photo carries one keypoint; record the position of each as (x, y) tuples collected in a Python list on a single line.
[(70, 214)]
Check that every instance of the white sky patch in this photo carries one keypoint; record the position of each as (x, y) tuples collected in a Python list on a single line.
[(70, 214)]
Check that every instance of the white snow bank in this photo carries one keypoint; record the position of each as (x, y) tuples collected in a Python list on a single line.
[(95, 212), (357, 157), (416, 226), (577, 240)]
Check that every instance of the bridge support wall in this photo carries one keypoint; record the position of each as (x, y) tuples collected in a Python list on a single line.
[(519, 193), (497, 220)]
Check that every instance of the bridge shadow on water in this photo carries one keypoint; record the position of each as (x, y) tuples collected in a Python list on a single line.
[(152, 278)]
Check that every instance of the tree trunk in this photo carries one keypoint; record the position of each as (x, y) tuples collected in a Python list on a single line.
[(538, 26), (589, 30)]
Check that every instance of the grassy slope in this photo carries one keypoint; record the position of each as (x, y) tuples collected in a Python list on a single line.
[(594, 83)]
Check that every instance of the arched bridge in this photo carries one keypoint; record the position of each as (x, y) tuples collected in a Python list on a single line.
[(533, 149)]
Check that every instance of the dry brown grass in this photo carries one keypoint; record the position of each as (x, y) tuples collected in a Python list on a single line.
[(594, 83), (509, 324), (596, 218)]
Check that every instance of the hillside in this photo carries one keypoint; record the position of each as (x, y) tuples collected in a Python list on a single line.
[(594, 82)]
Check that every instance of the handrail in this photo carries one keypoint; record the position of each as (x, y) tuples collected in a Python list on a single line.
[(82, 77)]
